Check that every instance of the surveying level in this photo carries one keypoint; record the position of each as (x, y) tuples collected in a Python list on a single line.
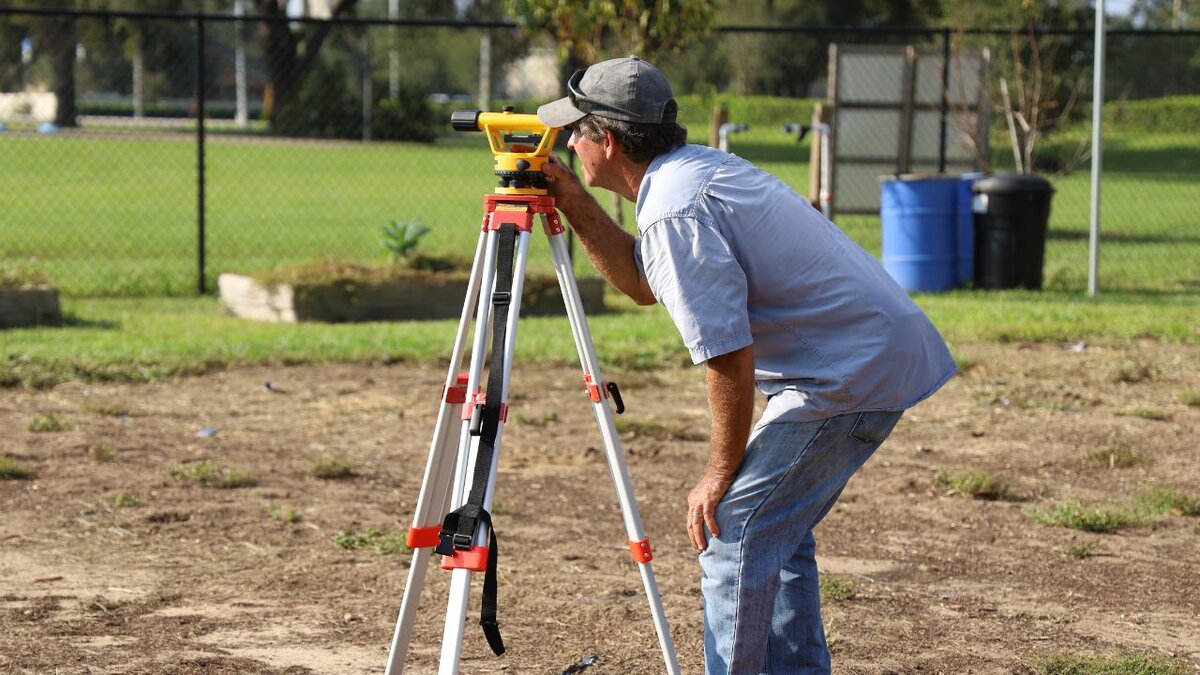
[(520, 142), (453, 512)]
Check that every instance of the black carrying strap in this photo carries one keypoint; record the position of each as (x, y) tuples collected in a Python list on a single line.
[(458, 528)]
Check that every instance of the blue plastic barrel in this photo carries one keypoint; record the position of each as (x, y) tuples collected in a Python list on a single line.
[(920, 231), (966, 227)]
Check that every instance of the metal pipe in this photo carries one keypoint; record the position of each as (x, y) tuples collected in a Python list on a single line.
[(725, 130), (1097, 150)]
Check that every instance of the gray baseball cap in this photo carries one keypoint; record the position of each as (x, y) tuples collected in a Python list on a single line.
[(626, 89)]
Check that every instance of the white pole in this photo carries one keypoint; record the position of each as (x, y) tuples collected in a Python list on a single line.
[(393, 54), (1097, 149), (241, 116)]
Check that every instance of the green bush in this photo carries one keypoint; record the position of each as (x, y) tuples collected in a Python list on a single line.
[(326, 106), (408, 117), (1177, 114)]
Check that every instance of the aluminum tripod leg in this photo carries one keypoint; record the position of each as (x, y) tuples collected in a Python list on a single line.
[(435, 487), (639, 543), (460, 579)]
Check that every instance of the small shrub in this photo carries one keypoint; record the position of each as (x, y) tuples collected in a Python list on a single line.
[(49, 423), (380, 542), (1157, 501), (1082, 550), (1190, 398), (1145, 413), (124, 500), (104, 452), (284, 514), (210, 474), (1117, 454), (331, 469), (1069, 513), (409, 117), (1115, 664), (400, 239), (837, 590), (11, 470), (973, 484)]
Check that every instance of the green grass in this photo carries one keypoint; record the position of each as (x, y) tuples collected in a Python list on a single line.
[(10, 469), (1113, 664), (1143, 507), (331, 469), (49, 423), (280, 202), (972, 484), (1117, 453), (837, 590), (208, 473), (380, 542), (156, 338)]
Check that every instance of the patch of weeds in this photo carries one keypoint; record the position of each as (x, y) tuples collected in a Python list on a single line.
[(108, 408), (973, 484), (283, 513), (1190, 398), (1069, 513), (102, 605), (1134, 371), (329, 468), (210, 474), (125, 500), (1158, 501), (49, 423), (658, 430), (380, 542), (1081, 550), (1145, 413), (104, 452), (1112, 664), (1060, 401), (12, 470), (837, 590), (544, 420), (1117, 454)]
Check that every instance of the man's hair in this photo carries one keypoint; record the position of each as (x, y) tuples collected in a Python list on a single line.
[(642, 142)]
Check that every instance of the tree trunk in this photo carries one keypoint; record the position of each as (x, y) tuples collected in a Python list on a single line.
[(290, 56), (59, 36)]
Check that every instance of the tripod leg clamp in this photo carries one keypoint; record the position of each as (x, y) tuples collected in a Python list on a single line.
[(474, 558)]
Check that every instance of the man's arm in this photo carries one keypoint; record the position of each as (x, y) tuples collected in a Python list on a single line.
[(730, 379), (609, 247)]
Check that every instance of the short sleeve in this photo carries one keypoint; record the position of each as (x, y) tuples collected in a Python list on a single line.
[(695, 276)]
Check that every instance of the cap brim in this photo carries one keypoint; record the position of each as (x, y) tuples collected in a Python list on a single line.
[(559, 113)]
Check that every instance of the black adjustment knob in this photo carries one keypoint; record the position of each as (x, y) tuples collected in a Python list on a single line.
[(522, 165), (508, 108), (465, 120)]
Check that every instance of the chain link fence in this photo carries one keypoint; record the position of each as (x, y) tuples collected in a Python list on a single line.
[(319, 134)]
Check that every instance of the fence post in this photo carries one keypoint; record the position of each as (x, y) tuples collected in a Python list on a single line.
[(200, 113)]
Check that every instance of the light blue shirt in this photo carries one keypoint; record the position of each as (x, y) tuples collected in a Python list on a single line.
[(738, 258)]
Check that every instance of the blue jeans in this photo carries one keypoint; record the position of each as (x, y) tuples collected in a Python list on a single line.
[(762, 601)]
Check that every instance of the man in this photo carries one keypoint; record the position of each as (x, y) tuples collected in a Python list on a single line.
[(765, 292)]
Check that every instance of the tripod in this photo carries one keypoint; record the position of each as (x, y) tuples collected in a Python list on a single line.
[(470, 422)]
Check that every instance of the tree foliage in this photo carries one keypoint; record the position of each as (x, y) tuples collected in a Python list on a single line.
[(586, 31)]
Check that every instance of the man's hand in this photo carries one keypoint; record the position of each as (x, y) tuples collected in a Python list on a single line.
[(702, 508), (565, 186), (730, 380)]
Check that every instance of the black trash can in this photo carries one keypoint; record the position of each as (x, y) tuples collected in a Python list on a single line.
[(1011, 212)]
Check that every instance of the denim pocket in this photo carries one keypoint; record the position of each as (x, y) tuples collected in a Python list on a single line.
[(874, 427)]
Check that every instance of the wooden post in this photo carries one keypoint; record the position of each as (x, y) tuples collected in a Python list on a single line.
[(720, 115)]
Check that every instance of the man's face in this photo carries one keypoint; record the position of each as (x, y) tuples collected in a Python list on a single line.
[(591, 156)]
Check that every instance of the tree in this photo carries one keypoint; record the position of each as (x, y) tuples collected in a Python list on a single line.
[(584, 30), (291, 53)]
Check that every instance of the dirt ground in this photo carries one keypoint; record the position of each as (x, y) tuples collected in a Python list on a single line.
[(114, 561)]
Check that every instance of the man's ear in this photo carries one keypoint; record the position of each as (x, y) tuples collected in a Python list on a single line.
[(611, 146)]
